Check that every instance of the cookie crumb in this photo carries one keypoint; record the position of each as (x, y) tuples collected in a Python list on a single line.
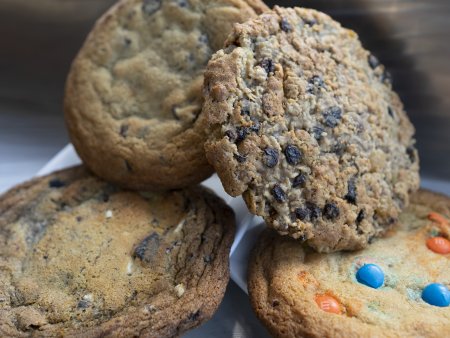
[(109, 214), (179, 289), (88, 298)]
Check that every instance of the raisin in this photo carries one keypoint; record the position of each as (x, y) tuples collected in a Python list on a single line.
[(312, 22), (293, 154), (256, 127), (412, 155), (278, 193), (207, 259), (268, 65), (332, 117), (151, 6), (299, 180), (194, 316), (361, 216), (82, 305), (310, 89), (373, 61), (128, 166), (174, 112), (314, 211), (317, 132), (182, 3), (203, 39), (55, 183), (123, 130), (231, 135), (147, 249), (387, 77), (241, 134), (351, 195), (79, 218), (196, 115), (245, 111), (270, 157), (317, 81), (301, 213), (285, 25), (240, 158), (275, 303), (331, 211), (127, 42), (391, 112)]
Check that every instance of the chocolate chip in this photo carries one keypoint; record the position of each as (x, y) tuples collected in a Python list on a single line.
[(351, 195), (373, 61), (151, 6), (267, 65), (412, 155), (79, 218), (314, 211), (332, 117), (174, 112), (293, 154), (361, 216), (231, 135), (123, 130), (331, 211), (275, 303), (299, 180), (270, 157), (387, 77), (194, 316), (82, 305), (127, 42), (317, 132), (285, 25), (147, 249), (301, 213), (128, 166), (391, 112), (45, 256), (240, 158), (278, 193), (55, 183), (317, 81)]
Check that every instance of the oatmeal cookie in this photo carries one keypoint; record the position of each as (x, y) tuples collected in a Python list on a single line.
[(297, 292), (302, 121), (133, 94), (81, 257)]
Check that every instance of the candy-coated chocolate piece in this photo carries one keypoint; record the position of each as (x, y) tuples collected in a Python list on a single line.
[(370, 275), (437, 218), (436, 294), (439, 245), (328, 304)]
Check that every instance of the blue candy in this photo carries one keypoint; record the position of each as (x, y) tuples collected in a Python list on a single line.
[(436, 294), (370, 275)]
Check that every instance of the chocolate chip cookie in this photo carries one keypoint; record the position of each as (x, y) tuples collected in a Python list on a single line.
[(133, 95), (302, 121), (297, 292), (81, 257)]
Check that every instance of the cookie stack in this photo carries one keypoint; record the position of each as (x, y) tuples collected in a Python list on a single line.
[(294, 115)]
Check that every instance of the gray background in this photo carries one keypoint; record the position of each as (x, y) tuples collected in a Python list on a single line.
[(39, 39)]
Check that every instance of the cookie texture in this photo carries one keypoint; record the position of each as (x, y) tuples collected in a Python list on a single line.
[(80, 257), (303, 123), (133, 94), (286, 276)]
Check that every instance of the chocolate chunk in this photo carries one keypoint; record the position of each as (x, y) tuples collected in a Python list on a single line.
[(231, 135), (332, 117), (361, 216), (278, 193), (270, 157), (302, 213), (317, 132), (411, 153), (351, 195), (174, 112), (285, 25), (147, 249), (314, 211), (373, 61), (55, 183), (82, 305), (293, 154), (391, 112), (275, 303), (194, 316), (317, 81), (299, 180), (240, 158), (331, 211), (267, 65), (128, 166), (123, 130), (151, 6)]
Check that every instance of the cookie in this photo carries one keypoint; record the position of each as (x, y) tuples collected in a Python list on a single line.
[(133, 94), (82, 258), (302, 121), (297, 292)]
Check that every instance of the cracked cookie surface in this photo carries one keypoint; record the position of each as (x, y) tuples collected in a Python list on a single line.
[(133, 95), (302, 121), (286, 277), (83, 258)]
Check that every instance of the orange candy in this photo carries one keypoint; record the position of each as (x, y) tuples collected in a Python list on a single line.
[(439, 245), (328, 304), (437, 218)]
